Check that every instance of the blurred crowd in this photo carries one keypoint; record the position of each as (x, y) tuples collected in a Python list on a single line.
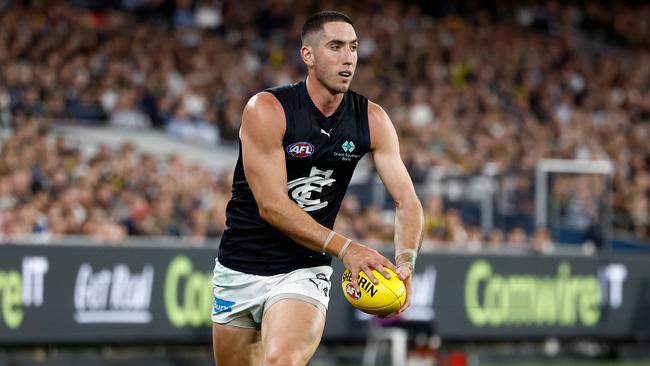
[(469, 87), (49, 189)]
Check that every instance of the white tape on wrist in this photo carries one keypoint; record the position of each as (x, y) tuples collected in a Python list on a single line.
[(344, 249), (407, 250), (412, 255), (409, 264), (327, 241)]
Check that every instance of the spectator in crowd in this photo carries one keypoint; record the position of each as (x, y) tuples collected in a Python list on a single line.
[(495, 240), (434, 219)]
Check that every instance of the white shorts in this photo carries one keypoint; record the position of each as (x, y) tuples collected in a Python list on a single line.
[(240, 299)]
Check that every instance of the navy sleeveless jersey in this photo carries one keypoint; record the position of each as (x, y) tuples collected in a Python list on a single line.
[(321, 154)]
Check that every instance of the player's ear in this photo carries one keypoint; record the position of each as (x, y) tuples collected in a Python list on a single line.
[(307, 55)]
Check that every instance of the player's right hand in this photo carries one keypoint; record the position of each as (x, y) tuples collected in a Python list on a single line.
[(362, 258)]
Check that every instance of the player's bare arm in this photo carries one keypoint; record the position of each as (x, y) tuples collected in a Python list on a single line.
[(262, 131), (393, 173)]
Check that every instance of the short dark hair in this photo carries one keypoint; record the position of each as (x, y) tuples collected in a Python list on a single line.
[(315, 22)]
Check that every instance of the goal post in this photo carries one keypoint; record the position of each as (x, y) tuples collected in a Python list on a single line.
[(547, 167)]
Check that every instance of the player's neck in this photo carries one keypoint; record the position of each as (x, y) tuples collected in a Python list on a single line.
[(326, 102)]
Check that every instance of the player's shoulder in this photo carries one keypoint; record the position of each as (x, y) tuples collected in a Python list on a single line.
[(377, 114), (284, 89), (264, 113), (272, 99), (263, 102), (379, 124)]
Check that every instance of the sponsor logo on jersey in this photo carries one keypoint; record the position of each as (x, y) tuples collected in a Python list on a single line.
[(301, 149), (348, 146), (301, 189), (347, 155), (222, 306)]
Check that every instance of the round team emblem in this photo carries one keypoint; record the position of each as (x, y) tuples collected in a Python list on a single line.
[(355, 294), (300, 149)]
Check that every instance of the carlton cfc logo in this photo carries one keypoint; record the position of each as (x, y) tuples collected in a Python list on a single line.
[(300, 149)]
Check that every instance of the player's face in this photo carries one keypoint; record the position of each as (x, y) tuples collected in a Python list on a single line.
[(336, 56)]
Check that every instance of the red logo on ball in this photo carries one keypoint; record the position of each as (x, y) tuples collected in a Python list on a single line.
[(352, 292)]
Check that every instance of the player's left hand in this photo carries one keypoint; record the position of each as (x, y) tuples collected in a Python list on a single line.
[(405, 273)]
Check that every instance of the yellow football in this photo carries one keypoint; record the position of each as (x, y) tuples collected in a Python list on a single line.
[(384, 298)]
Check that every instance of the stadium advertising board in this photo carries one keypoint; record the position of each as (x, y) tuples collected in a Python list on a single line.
[(488, 297), (188, 293), (21, 288), (91, 294), (79, 294)]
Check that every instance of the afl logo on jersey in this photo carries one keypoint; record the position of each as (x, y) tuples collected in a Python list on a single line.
[(300, 149)]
